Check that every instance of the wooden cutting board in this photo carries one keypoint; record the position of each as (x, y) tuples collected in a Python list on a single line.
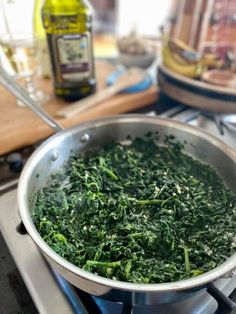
[(19, 127)]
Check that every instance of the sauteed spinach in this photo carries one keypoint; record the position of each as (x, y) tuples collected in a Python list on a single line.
[(138, 213)]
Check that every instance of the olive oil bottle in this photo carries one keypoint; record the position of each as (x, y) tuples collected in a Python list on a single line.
[(68, 25)]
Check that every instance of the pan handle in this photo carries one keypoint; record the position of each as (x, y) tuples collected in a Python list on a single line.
[(9, 83)]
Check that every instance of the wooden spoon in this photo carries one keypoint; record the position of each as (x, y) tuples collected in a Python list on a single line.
[(129, 78)]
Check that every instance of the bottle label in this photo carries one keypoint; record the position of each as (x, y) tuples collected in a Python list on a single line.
[(74, 56)]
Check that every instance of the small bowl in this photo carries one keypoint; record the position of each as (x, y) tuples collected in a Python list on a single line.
[(220, 78), (139, 61)]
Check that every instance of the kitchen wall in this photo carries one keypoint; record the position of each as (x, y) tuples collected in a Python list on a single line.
[(146, 16), (18, 13), (118, 16)]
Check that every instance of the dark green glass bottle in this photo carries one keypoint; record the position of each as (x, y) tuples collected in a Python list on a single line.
[(68, 25)]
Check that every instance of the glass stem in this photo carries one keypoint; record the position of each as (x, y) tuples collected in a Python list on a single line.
[(29, 86)]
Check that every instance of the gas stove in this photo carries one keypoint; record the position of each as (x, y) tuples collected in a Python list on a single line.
[(53, 294)]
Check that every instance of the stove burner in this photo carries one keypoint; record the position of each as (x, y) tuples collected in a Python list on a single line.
[(83, 303), (99, 306)]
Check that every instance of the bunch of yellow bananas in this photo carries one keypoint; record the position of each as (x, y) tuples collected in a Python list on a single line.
[(182, 59)]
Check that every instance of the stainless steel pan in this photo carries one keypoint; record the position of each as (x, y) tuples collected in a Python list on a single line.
[(55, 151)]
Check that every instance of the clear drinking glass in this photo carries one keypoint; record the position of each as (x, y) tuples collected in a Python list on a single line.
[(19, 47)]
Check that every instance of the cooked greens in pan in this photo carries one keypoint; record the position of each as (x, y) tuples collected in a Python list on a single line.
[(138, 213)]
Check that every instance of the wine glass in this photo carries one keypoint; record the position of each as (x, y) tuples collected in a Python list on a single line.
[(19, 47)]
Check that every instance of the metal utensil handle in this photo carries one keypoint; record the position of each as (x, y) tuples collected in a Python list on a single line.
[(9, 83)]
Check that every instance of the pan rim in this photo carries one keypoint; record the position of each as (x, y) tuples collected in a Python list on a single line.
[(220, 271)]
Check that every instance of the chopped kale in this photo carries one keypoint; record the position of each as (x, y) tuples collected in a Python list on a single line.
[(138, 213)]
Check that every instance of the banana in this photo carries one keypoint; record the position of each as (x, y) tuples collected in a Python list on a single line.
[(188, 70), (180, 60), (185, 52), (181, 45), (211, 60)]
